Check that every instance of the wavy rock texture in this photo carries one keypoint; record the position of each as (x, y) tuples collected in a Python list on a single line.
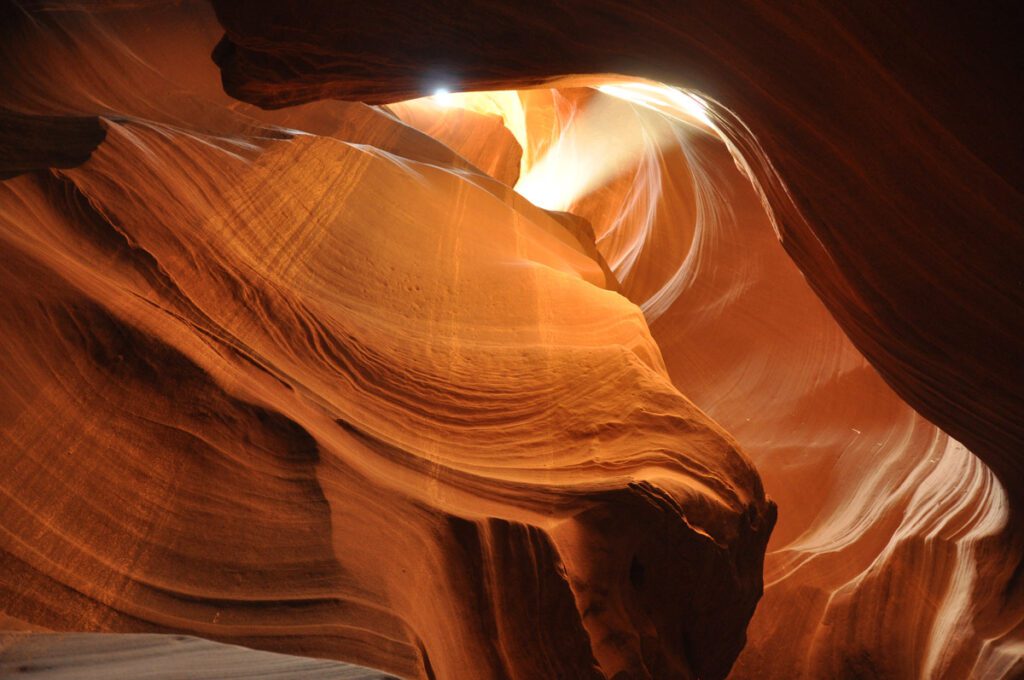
[(890, 558), (314, 381), (335, 392), (885, 139)]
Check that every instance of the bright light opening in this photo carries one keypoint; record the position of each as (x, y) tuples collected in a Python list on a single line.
[(443, 97)]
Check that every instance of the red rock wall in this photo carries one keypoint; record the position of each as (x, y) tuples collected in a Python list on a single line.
[(885, 138), (313, 383)]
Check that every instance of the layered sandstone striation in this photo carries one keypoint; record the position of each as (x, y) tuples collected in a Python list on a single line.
[(486, 384), (314, 383), (885, 139), (891, 557)]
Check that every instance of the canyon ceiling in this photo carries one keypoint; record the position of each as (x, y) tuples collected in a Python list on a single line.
[(511, 340)]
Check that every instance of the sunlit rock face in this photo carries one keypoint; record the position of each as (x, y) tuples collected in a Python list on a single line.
[(478, 385), (312, 382), (886, 139), (885, 560)]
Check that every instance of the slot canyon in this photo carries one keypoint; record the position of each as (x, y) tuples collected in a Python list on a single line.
[(520, 340)]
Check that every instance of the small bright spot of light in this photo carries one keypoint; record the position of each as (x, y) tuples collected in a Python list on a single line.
[(443, 96)]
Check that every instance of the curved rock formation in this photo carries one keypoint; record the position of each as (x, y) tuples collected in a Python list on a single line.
[(885, 140), (317, 380), (309, 393), (877, 505)]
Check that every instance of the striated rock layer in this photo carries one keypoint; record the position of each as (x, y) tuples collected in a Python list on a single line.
[(317, 380), (885, 139), (890, 558), (313, 383)]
